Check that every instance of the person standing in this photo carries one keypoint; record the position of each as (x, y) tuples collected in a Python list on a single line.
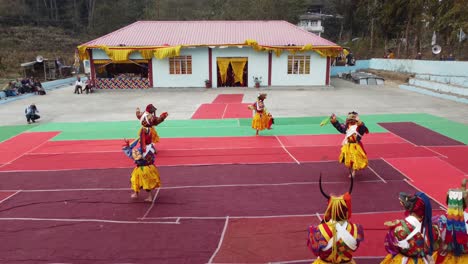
[(262, 119), (31, 113), (78, 85), (352, 154)]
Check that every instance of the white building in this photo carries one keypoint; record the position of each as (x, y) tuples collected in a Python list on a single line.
[(223, 53)]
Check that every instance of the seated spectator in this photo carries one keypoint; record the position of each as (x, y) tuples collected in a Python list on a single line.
[(31, 113), (78, 85), (38, 87), (9, 89), (19, 87), (27, 87), (89, 85)]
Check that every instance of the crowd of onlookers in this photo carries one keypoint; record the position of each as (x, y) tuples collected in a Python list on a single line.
[(24, 86)]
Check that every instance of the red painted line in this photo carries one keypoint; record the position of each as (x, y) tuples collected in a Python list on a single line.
[(431, 175), (210, 65), (270, 55), (23, 143)]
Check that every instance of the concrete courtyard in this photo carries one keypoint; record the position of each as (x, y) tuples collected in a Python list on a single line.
[(61, 105)]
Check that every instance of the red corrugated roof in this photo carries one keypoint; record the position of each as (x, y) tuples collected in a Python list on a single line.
[(173, 33)]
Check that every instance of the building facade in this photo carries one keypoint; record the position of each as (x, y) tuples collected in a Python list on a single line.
[(219, 53)]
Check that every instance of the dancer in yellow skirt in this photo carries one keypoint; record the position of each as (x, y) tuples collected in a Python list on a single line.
[(262, 119), (148, 121), (453, 248), (336, 238), (352, 153), (145, 175)]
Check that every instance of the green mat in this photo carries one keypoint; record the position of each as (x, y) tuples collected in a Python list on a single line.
[(7, 132), (233, 127)]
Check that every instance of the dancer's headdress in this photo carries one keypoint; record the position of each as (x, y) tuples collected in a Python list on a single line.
[(338, 209)]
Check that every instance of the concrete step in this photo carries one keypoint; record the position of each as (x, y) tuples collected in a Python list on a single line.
[(453, 80), (422, 90), (440, 87)]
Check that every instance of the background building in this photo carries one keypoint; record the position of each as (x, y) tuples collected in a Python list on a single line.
[(222, 53)]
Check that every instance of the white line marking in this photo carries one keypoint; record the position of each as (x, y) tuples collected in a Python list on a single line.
[(84, 220), (435, 152), (9, 196), (281, 143), (318, 216), (391, 165), (192, 186), (220, 240), (258, 216), (376, 174), (225, 108), (152, 203), (440, 205)]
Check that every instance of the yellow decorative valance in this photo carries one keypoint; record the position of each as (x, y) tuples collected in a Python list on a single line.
[(121, 54)]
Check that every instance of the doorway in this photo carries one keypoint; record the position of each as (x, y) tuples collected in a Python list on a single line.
[(232, 71)]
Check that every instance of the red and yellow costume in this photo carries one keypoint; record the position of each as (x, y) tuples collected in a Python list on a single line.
[(145, 175), (148, 121), (453, 227), (262, 119), (336, 238), (352, 152), (412, 240)]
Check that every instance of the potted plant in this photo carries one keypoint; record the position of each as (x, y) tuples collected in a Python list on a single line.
[(257, 81), (207, 83)]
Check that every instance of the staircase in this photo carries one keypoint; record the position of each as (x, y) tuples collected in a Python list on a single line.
[(447, 87)]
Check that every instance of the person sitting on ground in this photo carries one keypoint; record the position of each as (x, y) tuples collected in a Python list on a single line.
[(390, 55), (9, 89), (78, 85), (89, 86), (27, 87), (38, 87), (19, 86), (31, 113)]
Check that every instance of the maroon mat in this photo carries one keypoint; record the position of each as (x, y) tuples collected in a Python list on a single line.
[(193, 202), (385, 170), (196, 175), (419, 135), (272, 200), (192, 241)]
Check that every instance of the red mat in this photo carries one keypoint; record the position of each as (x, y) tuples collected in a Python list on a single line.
[(70, 146), (210, 111), (77, 146), (431, 175), (237, 111), (336, 140), (374, 151), (73, 161), (228, 99), (14, 147), (457, 156)]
